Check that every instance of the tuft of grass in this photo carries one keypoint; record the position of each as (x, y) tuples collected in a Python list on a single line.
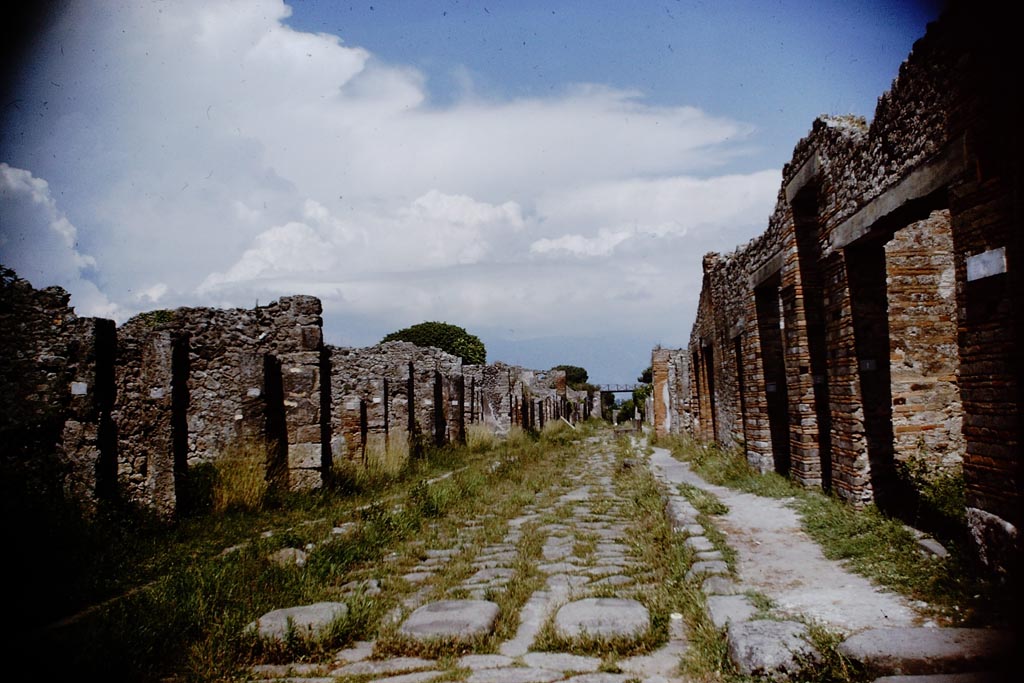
[(726, 467), (387, 455), (241, 482), (705, 502), (480, 438)]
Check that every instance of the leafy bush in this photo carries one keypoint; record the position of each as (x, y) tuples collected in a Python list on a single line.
[(450, 338)]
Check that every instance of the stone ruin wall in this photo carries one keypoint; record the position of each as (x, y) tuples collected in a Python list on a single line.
[(370, 397), (129, 412), (55, 410), (877, 319), (670, 375)]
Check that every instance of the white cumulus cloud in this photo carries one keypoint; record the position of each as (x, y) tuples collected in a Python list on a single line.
[(210, 154)]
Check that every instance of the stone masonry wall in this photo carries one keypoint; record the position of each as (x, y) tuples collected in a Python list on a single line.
[(95, 412), (55, 429)]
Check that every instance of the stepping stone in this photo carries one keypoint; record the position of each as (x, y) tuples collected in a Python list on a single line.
[(417, 577), (485, 575), (288, 557), (603, 678), (699, 544), (927, 650), (357, 652), (602, 618), (477, 662), (615, 580), (973, 677), (306, 620), (285, 670), (418, 677), (719, 585), (385, 666), (663, 663), (451, 619), (605, 570), (558, 568), (565, 581), (514, 675), (723, 609), (707, 567), (708, 555), (560, 661), (769, 648)]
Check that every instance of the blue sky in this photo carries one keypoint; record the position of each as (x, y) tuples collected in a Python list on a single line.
[(547, 175)]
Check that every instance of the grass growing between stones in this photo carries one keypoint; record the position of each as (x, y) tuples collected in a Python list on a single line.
[(192, 602), (661, 548), (525, 468), (869, 542)]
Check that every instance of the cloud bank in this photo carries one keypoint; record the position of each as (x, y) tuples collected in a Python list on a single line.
[(210, 154)]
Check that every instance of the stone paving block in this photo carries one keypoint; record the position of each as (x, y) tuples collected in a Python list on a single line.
[(599, 678), (417, 577), (385, 666), (769, 648), (418, 677), (514, 675), (287, 557), (699, 544), (285, 670), (707, 567), (602, 618), (723, 609), (614, 580), (476, 662), (307, 620), (451, 619), (927, 650), (972, 677), (708, 555), (484, 575), (558, 568), (604, 570), (932, 547), (719, 585), (566, 582), (357, 652), (560, 661)]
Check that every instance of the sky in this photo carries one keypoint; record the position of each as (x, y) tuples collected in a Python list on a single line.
[(546, 175)]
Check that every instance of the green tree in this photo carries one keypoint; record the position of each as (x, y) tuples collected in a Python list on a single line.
[(627, 411), (647, 376), (451, 338), (575, 376)]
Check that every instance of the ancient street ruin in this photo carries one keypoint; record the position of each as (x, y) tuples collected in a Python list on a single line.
[(873, 329)]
